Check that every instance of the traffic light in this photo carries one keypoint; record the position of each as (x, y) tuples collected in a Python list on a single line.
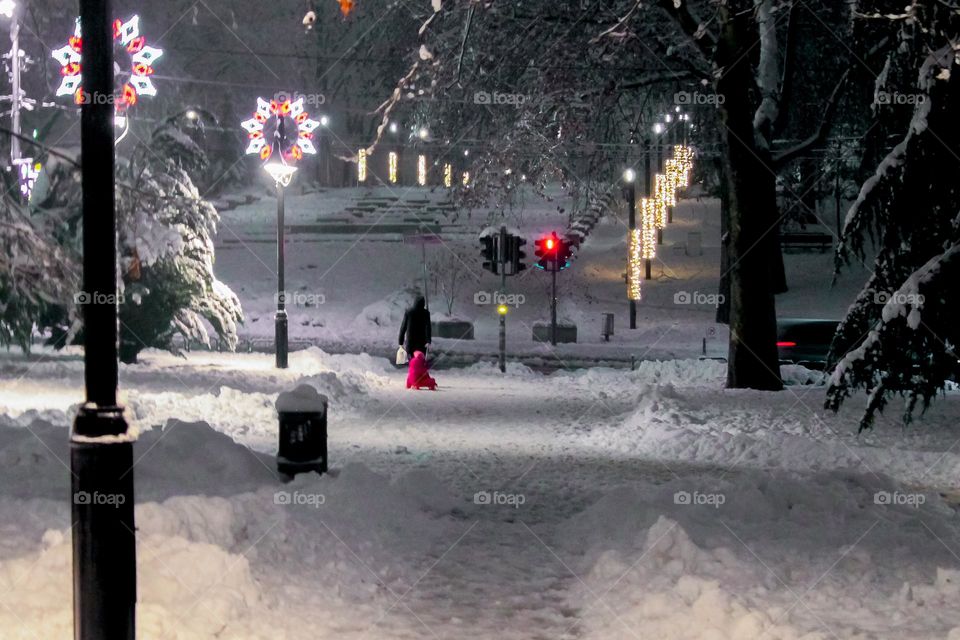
[(517, 255), (488, 249), (546, 251), (564, 251)]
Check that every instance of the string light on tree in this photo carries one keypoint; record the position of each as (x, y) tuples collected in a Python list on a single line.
[(648, 228), (466, 178), (393, 162), (448, 175), (422, 170), (635, 265), (362, 165), (142, 58)]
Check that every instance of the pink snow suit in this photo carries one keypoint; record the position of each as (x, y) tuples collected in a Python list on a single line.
[(417, 377)]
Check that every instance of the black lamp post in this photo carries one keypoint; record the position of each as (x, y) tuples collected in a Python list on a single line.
[(282, 174), (101, 448), (630, 182)]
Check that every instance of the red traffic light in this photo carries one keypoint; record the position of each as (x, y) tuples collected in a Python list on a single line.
[(551, 243)]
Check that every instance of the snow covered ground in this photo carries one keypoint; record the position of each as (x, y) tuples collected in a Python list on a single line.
[(590, 504)]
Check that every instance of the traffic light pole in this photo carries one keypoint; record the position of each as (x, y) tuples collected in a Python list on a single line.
[(503, 291), (101, 447), (280, 321), (553, 304)]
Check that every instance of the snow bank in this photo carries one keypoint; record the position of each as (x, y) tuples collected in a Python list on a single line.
[(319, 556), (678, 570)]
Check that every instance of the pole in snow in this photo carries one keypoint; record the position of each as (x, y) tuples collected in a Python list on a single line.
[(280, 320), (101, 447)]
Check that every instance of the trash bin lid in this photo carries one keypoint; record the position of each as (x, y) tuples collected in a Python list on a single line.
[(303, 399)]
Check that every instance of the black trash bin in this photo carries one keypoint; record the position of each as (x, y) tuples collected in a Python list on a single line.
[(303, 431)]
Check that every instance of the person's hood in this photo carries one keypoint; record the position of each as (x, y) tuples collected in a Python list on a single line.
[(420, 303)]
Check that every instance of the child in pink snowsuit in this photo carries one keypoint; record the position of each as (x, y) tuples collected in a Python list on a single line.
[(417, 377)]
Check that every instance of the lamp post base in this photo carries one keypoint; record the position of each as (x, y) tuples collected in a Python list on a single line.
[(104, 539), (280, 338)]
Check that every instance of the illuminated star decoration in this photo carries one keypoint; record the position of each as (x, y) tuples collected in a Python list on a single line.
[(142, 58), (267, 111)]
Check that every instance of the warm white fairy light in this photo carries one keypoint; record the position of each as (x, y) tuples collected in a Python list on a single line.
[(664, 197), (422, 170), (448, 175), (362, 165), (392, 167), (635, 265), (648, 227)]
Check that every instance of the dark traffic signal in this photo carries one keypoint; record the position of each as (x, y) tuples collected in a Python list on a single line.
[(517, 255), (488, 249)]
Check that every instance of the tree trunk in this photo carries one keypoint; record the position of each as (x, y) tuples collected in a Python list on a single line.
[(723, 309), (753, 361)]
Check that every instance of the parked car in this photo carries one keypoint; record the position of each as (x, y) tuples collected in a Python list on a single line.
[(807, 341)]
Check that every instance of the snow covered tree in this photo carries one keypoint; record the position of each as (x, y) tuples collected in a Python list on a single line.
[(166, 231), (36, 275), (905, 323)]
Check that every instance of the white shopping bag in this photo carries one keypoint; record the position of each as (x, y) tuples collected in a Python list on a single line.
[(401, 356)]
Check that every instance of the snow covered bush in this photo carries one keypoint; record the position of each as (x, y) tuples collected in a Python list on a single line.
[(35, 273), (165, 230), (906, 320)]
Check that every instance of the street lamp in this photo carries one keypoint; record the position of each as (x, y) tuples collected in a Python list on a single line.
[(8, 9), (292, 138), (634, 258)]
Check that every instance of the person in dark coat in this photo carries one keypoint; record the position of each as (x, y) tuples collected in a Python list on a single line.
[(415, 331)]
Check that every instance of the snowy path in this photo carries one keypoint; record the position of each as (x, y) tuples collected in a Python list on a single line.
[(781, 536)]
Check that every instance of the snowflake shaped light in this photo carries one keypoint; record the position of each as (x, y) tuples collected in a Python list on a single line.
[(279, 115), (142, 58)]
